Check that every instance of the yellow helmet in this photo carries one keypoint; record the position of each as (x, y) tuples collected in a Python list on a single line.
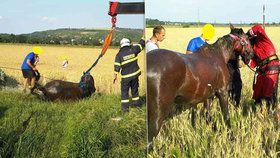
[(37, 50), (208, 31)]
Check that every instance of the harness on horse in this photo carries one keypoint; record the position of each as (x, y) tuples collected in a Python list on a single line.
[(245, 44), (84, 86)]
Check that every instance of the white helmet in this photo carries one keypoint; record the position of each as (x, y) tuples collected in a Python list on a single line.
[(125, 42)]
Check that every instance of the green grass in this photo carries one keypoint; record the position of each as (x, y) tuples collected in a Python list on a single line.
[(30, 127)]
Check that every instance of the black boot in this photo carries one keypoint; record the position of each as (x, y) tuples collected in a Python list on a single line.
[(125, 108), (136, 104)]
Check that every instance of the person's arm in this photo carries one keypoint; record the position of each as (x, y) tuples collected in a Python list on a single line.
[(190, 48), (32, 66), (117, 68), (251, 63), (189, 52), (255, 31), (137, 48)]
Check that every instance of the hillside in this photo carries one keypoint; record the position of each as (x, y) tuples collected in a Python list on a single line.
[(72, 36)]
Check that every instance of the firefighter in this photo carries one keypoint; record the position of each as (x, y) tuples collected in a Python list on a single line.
[(267, 64), (127, 67)]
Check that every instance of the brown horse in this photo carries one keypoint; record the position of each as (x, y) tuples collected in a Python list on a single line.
[(191, 79), (58, 90)]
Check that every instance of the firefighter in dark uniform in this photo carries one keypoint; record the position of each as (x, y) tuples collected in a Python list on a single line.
[(126, 65)]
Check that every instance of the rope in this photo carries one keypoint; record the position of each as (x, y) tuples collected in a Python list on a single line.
[(10, 68), (250, 68), (2, 67)]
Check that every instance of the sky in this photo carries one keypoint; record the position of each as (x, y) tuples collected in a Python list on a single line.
[(27, 16), (220, 11)]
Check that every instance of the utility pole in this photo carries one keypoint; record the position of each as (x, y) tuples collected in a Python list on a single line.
[(263, 16)]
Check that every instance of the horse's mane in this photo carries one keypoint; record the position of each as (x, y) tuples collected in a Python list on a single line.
[(212, 48), (224, 41)]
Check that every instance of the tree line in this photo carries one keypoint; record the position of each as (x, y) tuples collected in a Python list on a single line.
[(91, 37), (155, 22)]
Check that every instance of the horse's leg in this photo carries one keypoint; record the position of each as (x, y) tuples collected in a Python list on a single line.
[(237, 91), (207, 104), (193, 115), (258, 102), (223, 98), (275, 100), (268, 104), (159, 108), (236, 87)]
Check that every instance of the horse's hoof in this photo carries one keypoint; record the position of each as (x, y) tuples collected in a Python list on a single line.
[(214, 127), (150, 147), (124, 111), (26, 91), (231, 136)]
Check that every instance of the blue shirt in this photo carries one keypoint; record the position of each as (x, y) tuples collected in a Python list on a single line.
[(31, 57), (195, 44)]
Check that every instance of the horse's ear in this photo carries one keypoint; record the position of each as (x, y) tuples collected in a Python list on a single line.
[(231, 26)]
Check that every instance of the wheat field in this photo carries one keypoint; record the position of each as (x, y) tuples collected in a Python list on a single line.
[(256, 135), (80, 59)]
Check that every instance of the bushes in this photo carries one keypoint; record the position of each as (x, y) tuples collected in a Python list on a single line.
[(3, 78)]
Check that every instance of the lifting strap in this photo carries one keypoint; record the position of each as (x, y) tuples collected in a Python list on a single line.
[(104, 49), (114, 9)]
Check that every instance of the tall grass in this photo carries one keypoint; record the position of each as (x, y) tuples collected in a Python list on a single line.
[(93, 127), (252, 134)]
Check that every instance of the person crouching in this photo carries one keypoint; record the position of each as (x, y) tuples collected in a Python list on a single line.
[(29, 70)]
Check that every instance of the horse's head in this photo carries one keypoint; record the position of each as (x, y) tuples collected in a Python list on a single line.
[(242, 45), (87, 84)]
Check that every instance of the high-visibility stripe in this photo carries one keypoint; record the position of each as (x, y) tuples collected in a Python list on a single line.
[(125, 101), (136, 98), (116, 72), (267, 60), (130, 60), (132, 74), (118, 64), (141, 48)]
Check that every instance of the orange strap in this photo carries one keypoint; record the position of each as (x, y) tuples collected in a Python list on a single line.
[(107, 42)]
